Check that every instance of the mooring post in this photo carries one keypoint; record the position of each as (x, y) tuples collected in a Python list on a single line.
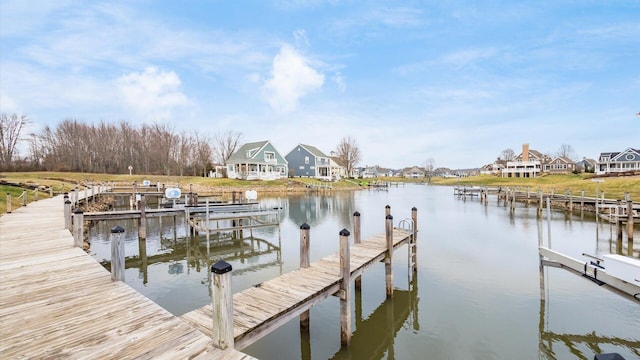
[(619, 211), (222, 302), (8, 203), (233, 197), (93, 191), (67, 215), (388, 268), (630, 222), (24, 197), (513, 199), (581, 200), (35, 194), (117, 254), (142, 222), (414, 239), (86, 196), (51, 191), (549, 221), (345, 289), (570, 201), (356, 240), (387, 211), (304, 263), (78, 228), (539, 202)]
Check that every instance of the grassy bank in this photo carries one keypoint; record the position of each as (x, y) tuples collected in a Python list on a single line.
[(614, 187)]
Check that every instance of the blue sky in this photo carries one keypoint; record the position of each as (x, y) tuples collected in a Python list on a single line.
[(456, 81)]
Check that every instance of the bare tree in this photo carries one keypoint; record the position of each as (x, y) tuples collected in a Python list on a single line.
[(508, 154), (566, 150), (349, 152), (429, 167), (225, 144), (10, 129)]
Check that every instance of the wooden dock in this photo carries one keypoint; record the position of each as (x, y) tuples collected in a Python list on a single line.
[(58, 302), (266, 306)]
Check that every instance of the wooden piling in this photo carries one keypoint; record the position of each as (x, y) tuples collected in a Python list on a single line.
[(619, 211), (570, 201), (35, 194), (222, 302), (345, 289), (117, 254), (8, 203), (629, 220), (304, 263), (142, 221), (24, 197), (356, 240), (78, 228), (581, 200), (539, 202), (388, 260)]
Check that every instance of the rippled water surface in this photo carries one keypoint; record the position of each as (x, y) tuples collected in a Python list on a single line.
[(476, 295)]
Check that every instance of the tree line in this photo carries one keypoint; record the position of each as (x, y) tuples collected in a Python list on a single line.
[(111, 148)]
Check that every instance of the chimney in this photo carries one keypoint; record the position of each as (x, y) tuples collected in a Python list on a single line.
[(525, 152)]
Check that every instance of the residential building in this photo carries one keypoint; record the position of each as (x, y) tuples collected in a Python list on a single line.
[(309, 161), (617, 162), (528, 164), (586, 165), (414, 172), (495, 168), (560, 165), (257, 161)]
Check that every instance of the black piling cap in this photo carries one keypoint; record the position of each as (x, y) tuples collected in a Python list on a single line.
[(117, 229), (414, 209), (356, 214), (67, 202), (388, 207), (305, 226), (221, 267), (389, 217), (344, 232), (78, 211)]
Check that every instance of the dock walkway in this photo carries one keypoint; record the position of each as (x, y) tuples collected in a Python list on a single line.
[(58, 302), (266, 306)]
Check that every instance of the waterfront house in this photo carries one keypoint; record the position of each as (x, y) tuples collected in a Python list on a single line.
[(617, 162), (257, 161), (586, 165), (337, 168), (493, 169), (560, 165), (528, 164), (309, 161), (414, 172), (370, 172)]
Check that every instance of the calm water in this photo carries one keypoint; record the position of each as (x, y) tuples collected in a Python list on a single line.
[(476, 295)]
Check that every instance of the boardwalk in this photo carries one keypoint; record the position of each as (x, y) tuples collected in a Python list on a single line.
[(58, 302), (260, 309)]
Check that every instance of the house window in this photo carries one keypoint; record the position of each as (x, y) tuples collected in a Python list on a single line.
[(269, 156), (629, 157), (301, 167), (306, 159)]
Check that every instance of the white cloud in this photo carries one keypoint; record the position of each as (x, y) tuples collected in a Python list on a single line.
[(152, 94), (292, 77), (339, 80)]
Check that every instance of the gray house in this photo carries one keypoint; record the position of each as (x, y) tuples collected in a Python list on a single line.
[(616, 162), (257, 161), (308, 161)]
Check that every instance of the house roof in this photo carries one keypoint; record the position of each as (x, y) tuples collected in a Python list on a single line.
[(338, 161), (240, 154), (627, 151), (563, 159), (314, 150)]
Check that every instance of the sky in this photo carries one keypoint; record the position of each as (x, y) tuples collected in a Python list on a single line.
[(452, 81)]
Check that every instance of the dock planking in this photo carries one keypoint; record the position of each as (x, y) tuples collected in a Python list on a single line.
[(270, 304), (58, 302)]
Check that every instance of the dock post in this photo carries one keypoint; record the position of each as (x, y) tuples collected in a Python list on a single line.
[(548, 221), (67, 215), (51, 191), (345, 289), (570, 201), (619, 211), (222, 305), (142, 222), (539, 202), (413, 245), (36, 195), (513, 199), (304, 263), (8, 203), (630, 222), (117, 254), (581, 200), (356, 240), (24, 197), (78, 228), (388, 268)]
